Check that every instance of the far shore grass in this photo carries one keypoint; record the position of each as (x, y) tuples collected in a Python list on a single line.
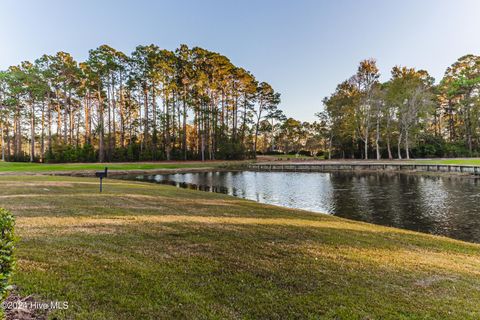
[(462, 161), (160, 165), (452, 161), (146, 251)]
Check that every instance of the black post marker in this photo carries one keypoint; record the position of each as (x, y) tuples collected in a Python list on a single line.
[(101, 175)]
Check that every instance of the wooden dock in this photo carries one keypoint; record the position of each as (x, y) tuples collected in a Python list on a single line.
[(327, 167)]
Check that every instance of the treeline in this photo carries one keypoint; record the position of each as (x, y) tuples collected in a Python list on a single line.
[(407, 116), (194, 104), (154, 104)]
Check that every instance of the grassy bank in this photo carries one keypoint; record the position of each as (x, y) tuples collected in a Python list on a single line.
[(40, 167), (465, 161), (144, 251), (453, 161)]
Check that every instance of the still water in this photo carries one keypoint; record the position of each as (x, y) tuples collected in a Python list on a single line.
[(448, 206)]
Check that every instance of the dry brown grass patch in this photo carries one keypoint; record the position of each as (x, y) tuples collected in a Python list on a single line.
[(401, 259)]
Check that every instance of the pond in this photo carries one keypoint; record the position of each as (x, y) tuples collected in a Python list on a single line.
[(448, 206)]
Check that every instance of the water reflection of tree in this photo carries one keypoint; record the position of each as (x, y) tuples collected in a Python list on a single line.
[(390, 199), (437, 205), (463, 216)]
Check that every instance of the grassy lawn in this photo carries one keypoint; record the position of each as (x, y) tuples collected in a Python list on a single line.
[(464, 161), (145, 251), (40, 167)]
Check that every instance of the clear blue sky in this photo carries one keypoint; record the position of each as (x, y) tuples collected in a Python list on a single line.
[(303, 48)]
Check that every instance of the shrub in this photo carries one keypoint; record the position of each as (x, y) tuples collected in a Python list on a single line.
[(62, 153), (429, 146), (133, 152), (230, 150), (7, 244), (456, 149), (305, 153), (274, 153), (86, 153)]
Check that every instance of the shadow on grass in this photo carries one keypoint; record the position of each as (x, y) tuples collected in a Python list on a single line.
[(190, 269)]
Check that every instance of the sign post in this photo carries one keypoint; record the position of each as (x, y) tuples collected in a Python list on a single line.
[(101, 175)]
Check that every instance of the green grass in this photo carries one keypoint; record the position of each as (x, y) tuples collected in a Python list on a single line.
[(39, 167), (145, 251), (466, 161)]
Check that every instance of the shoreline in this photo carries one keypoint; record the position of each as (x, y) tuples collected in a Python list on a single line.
[(237, 168), (116, 173), (368, 166)]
